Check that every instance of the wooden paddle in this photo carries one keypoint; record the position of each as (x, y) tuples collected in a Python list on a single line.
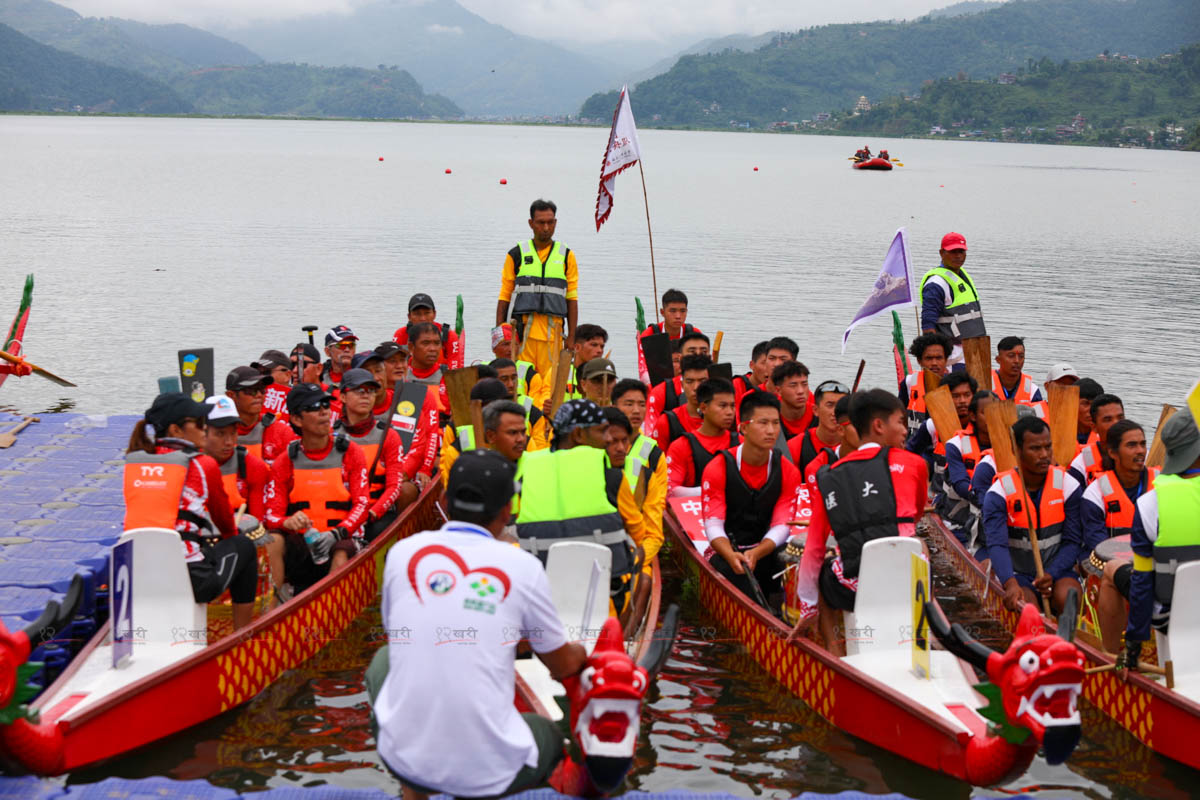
[(9, 437), (1167, 672), (999, 417), (45, 373), (1158, 451), (459, 383), (559, 374), (716, 348), (476, 413), (932, 381), (862, 364), (1064, 421), (977, 353), (940, 406), (1033, 541)]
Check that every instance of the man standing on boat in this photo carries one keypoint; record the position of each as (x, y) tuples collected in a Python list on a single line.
[(1041, 497), (949, 303), (749, 496), (539, 289), (455, 604), (875, 491), (1166, 533)]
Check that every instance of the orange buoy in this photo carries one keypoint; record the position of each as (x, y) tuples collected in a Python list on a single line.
[(504, 181), (447, 170)]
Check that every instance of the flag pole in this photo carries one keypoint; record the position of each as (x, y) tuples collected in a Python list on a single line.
[(650, 234)]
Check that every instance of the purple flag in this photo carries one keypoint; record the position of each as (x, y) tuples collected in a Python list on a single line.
[(893, 288)]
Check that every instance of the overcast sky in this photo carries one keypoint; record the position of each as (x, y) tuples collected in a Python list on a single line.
[(578, 20)]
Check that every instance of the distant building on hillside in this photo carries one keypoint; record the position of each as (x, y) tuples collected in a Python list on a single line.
[(823, 116), (862, 105), (936, 130), (1079, 122), (1007, 78)]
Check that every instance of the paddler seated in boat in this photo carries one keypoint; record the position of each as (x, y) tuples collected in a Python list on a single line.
[(1107, 510), (537, 423), (278, 367), (748, 497), (395, 361), (932, 350), (340, 345), (779, 350), (968, 453), (526, 385), (1107, 410), (457, 440), (190, 500), (505, 429), (391, 489), (1089, 390), (646, 464), (797, 406), (472, 742), (597, 379), (1043, 497), (674, 317), (244, 475), (758, 375), (877, 490), (421, 309), (572, 492), (306, 363), (421, 417), (247, 387), (693, 371), (926, 443), (689, 454), (1008, 380), (318, 497), (589, 343), (949, 302), (1166, 533), (649, 488), (827, 433), (425, 364), (669, 395), (884, 155), (540, 282)]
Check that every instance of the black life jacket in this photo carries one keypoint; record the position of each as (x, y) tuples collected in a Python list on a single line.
[(701, 457), (748, 511), (860, 504)]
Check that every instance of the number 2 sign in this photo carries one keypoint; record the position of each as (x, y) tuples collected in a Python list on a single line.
[(121, 581)]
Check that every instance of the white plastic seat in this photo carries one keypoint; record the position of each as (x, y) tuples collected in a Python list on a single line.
[(1182, 644), (882, 606), (163, 608), (571, 568)]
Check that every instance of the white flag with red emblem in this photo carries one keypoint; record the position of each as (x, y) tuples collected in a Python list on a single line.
[(622, 153)]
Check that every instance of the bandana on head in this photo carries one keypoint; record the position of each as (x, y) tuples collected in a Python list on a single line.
[(501, 333), (577, 413)]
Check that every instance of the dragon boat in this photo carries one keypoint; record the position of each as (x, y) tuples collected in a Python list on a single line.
[(1167, 720), (186, 664), (948, 721)]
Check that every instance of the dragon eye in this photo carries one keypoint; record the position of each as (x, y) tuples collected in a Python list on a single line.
[(585, 678), (1029, 661)]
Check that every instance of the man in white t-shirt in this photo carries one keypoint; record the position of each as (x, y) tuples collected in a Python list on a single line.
[(455, 604)]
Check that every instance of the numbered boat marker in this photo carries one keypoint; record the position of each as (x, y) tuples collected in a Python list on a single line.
[(121, 581), (920, 625)]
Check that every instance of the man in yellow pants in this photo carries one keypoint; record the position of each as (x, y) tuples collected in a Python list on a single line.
[(539, 287)]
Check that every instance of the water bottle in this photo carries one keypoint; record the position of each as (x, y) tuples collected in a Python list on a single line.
[(311, 537)]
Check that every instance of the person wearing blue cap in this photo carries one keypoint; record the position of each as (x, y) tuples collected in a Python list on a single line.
[(1166, 534)]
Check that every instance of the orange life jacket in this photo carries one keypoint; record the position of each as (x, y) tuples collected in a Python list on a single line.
[(153, 488), (317, 486), (253, 439), (1118, 508), (1093, 464), (370, 442), (232, 471), (1047, 520), (1024, 393)]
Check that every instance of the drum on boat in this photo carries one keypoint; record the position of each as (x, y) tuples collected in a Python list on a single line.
[(791, 556), (1093, 569)]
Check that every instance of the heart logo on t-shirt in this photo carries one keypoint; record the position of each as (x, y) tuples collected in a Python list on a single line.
[(482, 586)]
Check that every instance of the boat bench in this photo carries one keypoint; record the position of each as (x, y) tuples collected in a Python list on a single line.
[(163, 609), (1182, 643)]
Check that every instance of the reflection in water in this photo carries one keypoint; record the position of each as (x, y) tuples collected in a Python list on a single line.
[(715, 722)]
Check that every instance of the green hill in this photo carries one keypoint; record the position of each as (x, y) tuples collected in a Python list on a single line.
[(34, 77), (820, 69), (1118, 100), (301, 90)]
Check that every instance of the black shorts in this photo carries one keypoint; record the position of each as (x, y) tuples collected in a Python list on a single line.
[(228, 564), (835, 593), (298, 567), (765, 571), (1122, 579)]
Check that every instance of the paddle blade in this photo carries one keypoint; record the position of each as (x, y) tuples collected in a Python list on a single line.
[(459, 383), (999, 417), (1064, 421), (1158, 450), (721, 371), (932, 381), (45, 373), (940, 406), (559, 375), (977, 353), (716, 349), (657, 350)]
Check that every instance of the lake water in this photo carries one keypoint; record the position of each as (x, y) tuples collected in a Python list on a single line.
[(149, 235)]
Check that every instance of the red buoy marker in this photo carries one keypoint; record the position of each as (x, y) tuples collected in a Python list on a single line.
[(381, 158), (756, 169), (504, 181), (447, 170)]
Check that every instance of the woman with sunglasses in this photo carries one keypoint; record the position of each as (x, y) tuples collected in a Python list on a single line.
[(170, 483)]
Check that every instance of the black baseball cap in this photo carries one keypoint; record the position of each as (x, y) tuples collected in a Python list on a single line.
[(304, 395), (310, 352), (420, 300), (246, 378), (270, 359), (388, 349), (173, 408), (362, 358), (358, 377), (480, 482), (489, 389), (339, 333)]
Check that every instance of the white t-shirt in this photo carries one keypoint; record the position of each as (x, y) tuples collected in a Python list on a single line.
[(455, 603)]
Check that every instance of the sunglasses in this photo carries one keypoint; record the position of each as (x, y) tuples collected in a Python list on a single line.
[(833, 386), (345, 345), (317, 406)]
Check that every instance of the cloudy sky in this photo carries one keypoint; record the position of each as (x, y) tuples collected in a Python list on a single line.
[(577, 20)]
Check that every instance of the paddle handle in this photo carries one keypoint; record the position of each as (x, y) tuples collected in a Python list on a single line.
[(716, 348), (22, 425), (1033, 541), (862, 364)]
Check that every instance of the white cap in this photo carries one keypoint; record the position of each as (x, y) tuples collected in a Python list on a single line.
[(1059, 371), (223, 411)]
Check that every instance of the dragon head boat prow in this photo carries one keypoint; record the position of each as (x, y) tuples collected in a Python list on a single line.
[(1035, 683)]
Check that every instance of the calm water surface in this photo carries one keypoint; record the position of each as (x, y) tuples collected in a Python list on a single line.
[(150, 235)]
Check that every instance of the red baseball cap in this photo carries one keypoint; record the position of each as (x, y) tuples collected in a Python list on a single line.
[(954, 241)]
